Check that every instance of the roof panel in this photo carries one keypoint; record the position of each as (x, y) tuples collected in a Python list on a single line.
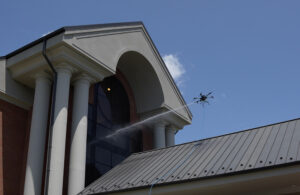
[(294, 146), (163, 164), (259, 147), (216, 157), (283, 152), (250, 150), (232, 153), (221, 165), (276, 145), (187, 170), (198, 167), (267, 147), (235, 164)]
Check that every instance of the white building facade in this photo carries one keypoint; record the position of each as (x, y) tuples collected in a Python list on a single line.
[(79, 85)]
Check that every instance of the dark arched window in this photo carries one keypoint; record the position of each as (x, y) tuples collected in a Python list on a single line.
[(109, 112)]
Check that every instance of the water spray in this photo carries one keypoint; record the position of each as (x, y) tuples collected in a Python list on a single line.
[(132, 127), (202, 99)]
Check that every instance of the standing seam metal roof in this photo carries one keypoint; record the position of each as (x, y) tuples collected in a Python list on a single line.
[(262, 147)]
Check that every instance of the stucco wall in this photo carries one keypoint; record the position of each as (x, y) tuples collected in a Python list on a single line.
[(12, 91)]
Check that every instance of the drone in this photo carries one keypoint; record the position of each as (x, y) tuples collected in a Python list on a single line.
[(203, 98)]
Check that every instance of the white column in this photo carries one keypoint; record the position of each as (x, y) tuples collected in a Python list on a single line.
[(159, 135), (57, 152), (38, 129), (170, 136), (78, 136)]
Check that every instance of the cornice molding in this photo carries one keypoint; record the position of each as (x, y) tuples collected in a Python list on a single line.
[(62, 57)]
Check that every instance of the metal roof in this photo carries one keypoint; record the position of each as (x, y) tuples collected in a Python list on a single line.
[(263, 147)]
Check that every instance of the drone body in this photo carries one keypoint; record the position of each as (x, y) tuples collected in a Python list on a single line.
[(202, 99)]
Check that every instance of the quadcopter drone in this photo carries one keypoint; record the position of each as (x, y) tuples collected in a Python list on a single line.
[(202, 99)]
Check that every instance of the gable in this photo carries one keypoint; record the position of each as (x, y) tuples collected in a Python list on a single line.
[(106, 45)]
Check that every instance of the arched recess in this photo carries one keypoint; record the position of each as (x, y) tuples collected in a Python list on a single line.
[(143, 81)]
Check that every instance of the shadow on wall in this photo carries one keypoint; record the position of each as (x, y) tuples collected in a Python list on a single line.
[(143, 81)]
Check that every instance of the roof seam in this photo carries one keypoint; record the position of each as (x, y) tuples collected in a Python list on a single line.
[(272, 144), (285, 131), (230, 141), (237, 151), (291, 140), (255, 148)]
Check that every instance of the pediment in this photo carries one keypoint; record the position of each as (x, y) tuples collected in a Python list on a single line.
[(106, 44), (97, 50)]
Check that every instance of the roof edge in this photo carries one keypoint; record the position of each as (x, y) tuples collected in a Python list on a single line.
[(65, 28), (295, 163), (177, 91), (31, 44), (117, 24)]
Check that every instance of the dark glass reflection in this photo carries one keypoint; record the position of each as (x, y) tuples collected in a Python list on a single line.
[(109, 112)]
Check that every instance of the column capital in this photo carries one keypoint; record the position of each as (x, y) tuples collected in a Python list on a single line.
[(43, 76), (160, 123), (83, 77), (65, 68), (171, 127)]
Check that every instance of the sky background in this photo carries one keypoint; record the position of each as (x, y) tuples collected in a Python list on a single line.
[(246, 52)]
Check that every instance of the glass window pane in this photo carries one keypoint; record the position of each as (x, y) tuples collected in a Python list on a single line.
[(102, 169), (103, 156), (109, 112), (116, 159)]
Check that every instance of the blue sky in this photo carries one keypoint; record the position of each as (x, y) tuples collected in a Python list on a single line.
[(247, 52)]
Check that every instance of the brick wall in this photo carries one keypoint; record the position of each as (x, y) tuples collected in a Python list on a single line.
[(14, 134)]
